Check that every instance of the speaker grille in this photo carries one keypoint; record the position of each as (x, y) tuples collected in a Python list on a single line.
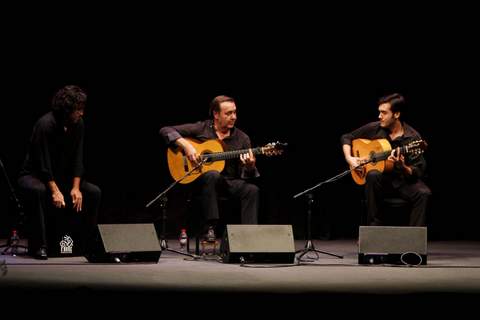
[(258, 243), (129, 237), (376, 239), (393, 245), (124, 243)]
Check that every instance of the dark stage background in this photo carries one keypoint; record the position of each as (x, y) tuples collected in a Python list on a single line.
[(304, 84)]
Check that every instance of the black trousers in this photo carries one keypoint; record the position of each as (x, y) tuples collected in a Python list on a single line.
[(37, 200), (212, 184), (380, 185)]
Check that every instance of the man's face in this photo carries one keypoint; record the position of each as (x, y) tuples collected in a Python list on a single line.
[(226, 117), (76, 115), (386, 116)]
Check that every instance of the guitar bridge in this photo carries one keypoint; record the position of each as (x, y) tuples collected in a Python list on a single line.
[(185, 164)]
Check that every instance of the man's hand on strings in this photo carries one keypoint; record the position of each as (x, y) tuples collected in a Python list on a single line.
[(399, 161), (355, 162), (248, 159), (397, 158), (192, 154)]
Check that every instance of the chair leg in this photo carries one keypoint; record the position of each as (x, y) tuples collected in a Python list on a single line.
[(197, 245)]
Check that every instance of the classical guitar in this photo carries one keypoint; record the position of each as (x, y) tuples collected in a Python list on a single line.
[(374, 154), (213, 157)]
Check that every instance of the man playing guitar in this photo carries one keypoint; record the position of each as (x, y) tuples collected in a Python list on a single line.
[(405, 169), (234, 178)]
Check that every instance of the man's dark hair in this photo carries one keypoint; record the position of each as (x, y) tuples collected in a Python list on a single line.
[(68, 99), (396, 100), (215, 104)]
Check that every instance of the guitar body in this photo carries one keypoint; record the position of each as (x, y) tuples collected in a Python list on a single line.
[(365, 148), (212, 158), (179, 165)]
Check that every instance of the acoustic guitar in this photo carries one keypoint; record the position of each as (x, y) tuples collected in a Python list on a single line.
[(374, 154), (213, 157)]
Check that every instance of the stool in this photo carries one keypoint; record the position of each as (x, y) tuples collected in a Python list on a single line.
[(395, 202), (395, 211)]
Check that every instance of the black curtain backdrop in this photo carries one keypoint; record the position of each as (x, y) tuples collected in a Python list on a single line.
[(303, 84)]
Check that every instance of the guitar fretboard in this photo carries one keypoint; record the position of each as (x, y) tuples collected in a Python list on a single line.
[(218, 156), (385, 154)]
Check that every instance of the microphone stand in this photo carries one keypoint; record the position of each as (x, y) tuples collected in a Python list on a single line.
[(163, 204), (12, 244), (309, 247)]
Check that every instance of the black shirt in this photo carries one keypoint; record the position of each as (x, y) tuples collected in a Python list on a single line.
[(373, 130), (204, 130), (55, 153)]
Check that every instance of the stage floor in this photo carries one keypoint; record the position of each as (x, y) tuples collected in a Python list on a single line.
[(452, 274)]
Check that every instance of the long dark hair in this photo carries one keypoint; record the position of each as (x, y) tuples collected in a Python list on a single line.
[(68, 99)]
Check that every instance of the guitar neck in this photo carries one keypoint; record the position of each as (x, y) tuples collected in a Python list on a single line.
[(385, 154), (218, 156)]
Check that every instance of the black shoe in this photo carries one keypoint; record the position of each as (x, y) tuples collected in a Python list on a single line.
[(41, 254)]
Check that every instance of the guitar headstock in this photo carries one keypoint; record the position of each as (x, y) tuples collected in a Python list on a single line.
[(274, 148), (416, 147)]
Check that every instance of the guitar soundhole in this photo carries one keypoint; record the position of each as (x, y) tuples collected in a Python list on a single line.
[(205, 155), (185, 162), (373, 158)]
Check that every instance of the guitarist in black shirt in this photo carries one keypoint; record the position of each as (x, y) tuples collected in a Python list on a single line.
[(233, 180), (405, 169)]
